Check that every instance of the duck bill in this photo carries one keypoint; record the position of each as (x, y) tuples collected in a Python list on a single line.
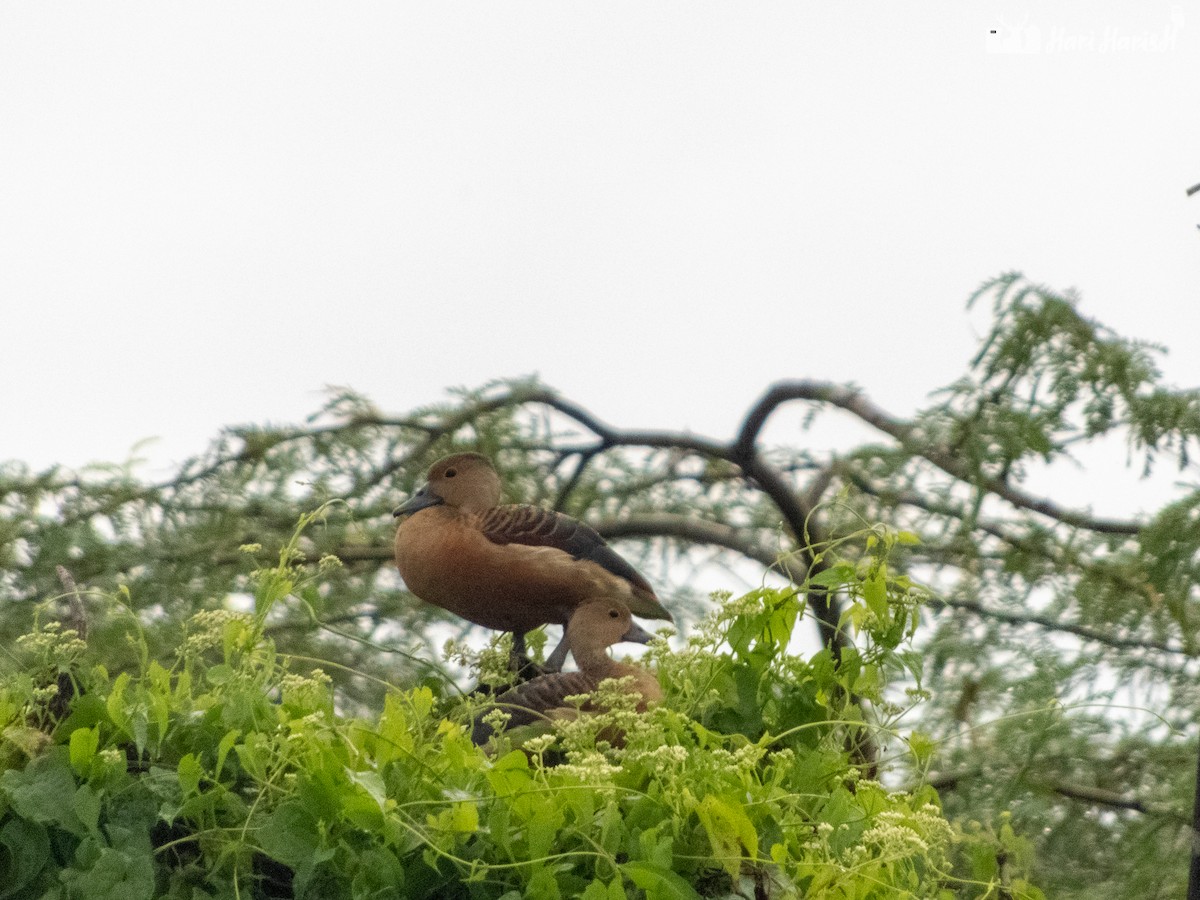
[(637, 634), (422, 499)]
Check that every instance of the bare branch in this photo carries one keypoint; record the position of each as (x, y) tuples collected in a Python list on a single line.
[(1085, 793), (700, 531), (948, 781), (903, 432), (570, 484), (1054, 624), (794, 510), (76, 617)]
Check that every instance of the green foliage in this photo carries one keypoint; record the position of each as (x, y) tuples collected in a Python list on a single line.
[(226, 772), (1049, 373), (1056, 662)]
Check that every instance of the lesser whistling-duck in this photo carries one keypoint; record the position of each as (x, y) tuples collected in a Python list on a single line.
[(513, 568), (595, 626)]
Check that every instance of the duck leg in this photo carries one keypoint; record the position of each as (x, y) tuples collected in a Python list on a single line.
[(520, 663), (554, 662)]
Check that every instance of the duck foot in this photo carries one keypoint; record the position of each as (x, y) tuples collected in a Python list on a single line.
[(525, 667), (519, 661)]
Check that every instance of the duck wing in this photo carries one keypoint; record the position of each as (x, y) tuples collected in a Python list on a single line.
[(537, 527), (534, 700)]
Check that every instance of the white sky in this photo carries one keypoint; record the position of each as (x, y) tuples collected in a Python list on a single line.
[(209, 211)]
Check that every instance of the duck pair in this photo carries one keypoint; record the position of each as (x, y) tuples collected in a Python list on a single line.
[(518, 567)]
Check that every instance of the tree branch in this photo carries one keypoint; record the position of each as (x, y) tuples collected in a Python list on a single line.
[(1063, 557), (1084, 793), (1053, 624), (699, 531), (853, 401)]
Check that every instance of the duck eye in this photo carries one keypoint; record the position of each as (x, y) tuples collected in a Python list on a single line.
[(613, 614), (450, 473)]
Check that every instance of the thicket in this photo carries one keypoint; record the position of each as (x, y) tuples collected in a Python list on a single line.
[(227, 770)]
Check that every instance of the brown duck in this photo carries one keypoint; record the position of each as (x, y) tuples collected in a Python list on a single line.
[(512, 568), (595, 626)]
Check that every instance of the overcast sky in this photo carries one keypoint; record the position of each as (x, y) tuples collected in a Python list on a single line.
[(209, 211)]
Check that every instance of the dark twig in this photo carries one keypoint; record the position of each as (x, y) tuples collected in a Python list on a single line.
[(573, 481), (77, 617), (905, 434), (948, 781)]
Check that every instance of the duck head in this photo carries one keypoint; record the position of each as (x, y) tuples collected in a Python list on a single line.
[(464, 481), (603, 623)]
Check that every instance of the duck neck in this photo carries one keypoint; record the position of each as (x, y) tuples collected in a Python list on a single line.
[(596, 662)]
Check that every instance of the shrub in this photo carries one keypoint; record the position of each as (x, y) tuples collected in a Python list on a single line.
[(229, 771)]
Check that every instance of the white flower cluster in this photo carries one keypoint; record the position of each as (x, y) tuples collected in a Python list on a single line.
[(898, 834), (290, 681), (206, 629), (783, 757), (743, 759), (53, 642), (491, 663), (538, 745), (302, 729), (892, 835), (614, 718), (329, 562), (617, 693), (591, 768), (44, 694), (497, 719), (661, 757), (310, 690)]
